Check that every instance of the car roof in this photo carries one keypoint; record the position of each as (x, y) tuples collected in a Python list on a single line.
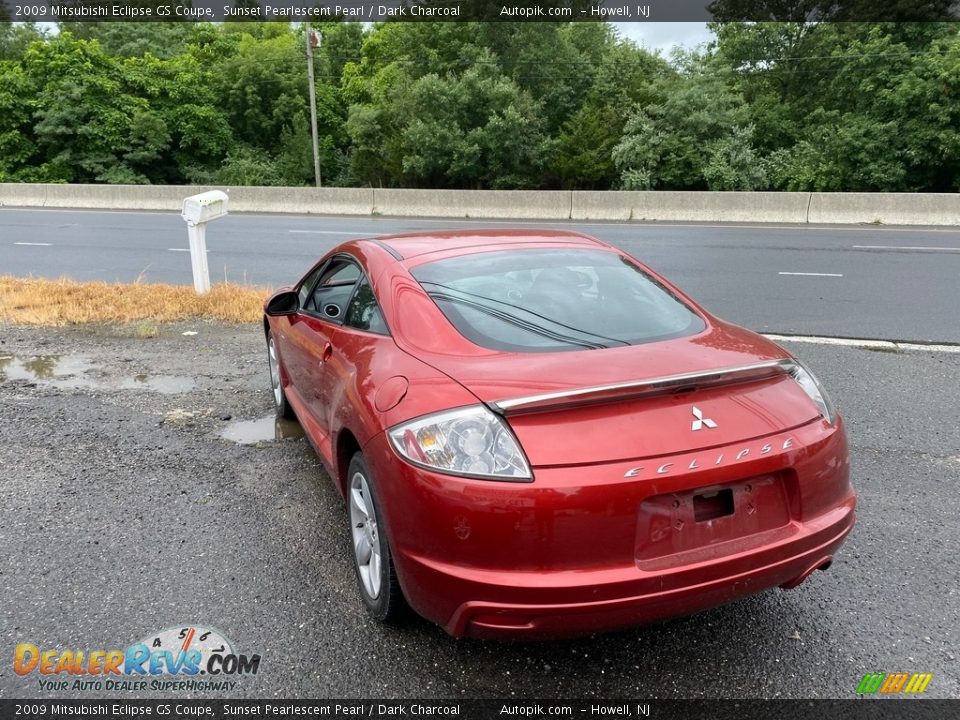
[(410, 245)]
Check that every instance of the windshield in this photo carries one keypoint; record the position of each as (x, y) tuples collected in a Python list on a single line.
[(556, 299)]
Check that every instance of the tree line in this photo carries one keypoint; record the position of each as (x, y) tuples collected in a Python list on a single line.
[(765, 106)]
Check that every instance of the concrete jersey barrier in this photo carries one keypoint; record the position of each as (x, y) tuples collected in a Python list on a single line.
[(691, 206), (886, 208), (517, 204), (682, 206)]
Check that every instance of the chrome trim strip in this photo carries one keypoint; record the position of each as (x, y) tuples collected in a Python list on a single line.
[(651, 384)]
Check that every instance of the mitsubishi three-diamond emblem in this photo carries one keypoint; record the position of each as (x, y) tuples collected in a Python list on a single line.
[(701, 420)]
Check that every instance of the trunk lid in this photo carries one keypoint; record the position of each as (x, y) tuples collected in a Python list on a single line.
[(662, 425), (720, 387)]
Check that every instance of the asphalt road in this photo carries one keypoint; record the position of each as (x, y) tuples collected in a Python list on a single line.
[(123, 511), (863, 281)]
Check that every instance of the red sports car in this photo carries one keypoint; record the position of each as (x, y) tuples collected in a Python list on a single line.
[(537, 435)]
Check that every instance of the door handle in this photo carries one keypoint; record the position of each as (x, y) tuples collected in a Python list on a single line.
[(327, 352)]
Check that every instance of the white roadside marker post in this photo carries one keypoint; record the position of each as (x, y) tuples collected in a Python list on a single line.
[(198, 257), (197, 211)]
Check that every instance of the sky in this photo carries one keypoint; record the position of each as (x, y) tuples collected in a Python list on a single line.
[(665, 35)]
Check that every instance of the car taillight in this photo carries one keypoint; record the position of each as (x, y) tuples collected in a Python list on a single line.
[(812, 387), (471, 441)]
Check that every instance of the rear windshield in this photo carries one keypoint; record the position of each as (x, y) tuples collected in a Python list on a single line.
[(556, 299)]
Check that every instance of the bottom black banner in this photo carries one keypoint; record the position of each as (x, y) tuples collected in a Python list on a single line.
[(898, 708)]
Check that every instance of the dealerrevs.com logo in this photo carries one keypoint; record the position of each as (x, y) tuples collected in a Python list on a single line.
[(189, 658)]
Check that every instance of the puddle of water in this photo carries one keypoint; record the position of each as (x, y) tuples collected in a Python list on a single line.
[(165, 384), (267, 429), (70, 371), (62, 371)]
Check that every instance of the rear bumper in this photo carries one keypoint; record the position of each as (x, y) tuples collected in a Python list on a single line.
[(576, 551), (636, 600)]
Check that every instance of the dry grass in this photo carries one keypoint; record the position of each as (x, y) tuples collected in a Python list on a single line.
[(36, 301)]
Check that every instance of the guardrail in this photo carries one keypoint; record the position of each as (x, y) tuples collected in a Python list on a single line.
[(770, 207)]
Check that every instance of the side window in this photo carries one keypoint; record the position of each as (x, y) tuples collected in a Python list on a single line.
[(332, 293), (307, 286), (364, 313)]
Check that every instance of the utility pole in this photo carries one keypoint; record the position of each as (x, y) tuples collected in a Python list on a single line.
[(313, 40)]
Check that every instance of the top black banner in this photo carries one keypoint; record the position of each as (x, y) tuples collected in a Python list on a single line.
[(481, 10)]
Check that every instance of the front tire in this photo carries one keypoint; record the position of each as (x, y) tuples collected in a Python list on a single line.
[(372, 560), (276, 380)]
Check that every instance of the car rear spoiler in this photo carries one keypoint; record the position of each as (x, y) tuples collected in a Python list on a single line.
[(641, 388)]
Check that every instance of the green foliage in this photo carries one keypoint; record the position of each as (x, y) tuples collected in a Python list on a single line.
[(133, 39), (491, 105), (554, 63), (788, 106), (261, 86), (17, 94), (583, 154), (341, 44), (15, 38), (247, 166), (88, 125), (696, 137), (478, 130), (733, 164), (103, 118), (850, 106), (295, 161)]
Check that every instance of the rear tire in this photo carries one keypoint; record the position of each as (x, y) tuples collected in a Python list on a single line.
[(276, 380), (372, 560)]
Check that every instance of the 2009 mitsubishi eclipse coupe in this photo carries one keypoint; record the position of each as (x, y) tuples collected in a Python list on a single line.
[(536, 435)]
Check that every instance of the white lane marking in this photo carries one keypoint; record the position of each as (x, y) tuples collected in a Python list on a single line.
[(935, 348), (323, 232), (180, 250), (812, 274), (34, 244), (919, 248), (854, 342)]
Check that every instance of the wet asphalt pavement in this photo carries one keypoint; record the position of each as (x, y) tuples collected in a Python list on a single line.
[(123, 511)]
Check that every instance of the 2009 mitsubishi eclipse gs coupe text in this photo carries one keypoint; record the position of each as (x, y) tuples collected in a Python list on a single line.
[(536, 435)]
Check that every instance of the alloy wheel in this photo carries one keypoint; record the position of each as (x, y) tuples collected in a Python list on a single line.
[(366, 541)]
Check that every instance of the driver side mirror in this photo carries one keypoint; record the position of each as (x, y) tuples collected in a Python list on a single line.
[(286, 302)]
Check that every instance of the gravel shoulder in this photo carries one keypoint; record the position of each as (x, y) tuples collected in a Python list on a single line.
[(124, 511)]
